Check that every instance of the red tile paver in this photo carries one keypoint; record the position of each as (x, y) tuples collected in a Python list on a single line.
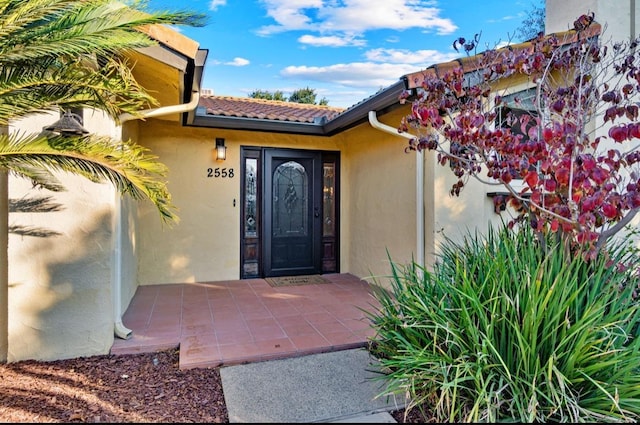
[(234, 322)]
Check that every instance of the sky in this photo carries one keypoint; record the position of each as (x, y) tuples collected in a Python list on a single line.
[(345, 50)]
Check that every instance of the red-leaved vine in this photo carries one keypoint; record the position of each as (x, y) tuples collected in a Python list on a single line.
[(576, 178)]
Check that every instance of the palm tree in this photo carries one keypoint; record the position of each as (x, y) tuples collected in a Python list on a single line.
[(64, 54)]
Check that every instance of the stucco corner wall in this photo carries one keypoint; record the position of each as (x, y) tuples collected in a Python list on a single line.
[(472, 212), (60, 303), (378, 201)]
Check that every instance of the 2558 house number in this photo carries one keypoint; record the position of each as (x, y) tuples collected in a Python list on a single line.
[(220, 173)]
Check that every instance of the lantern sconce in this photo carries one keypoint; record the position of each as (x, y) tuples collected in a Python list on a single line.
[(69, 124), (220, 153)]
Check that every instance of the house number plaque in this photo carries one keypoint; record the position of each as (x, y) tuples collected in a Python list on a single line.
[(220, 173)]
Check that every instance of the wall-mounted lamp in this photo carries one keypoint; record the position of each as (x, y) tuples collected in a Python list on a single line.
[(221, 150), (69, 124)]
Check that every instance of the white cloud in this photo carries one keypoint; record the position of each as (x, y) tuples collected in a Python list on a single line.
[(357, 74), (504, 19), (353, 16), (238, 62), (215, 4), (331, 41), (289, 14), (423, 58)]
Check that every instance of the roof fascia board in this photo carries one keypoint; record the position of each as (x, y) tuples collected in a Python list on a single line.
[(165, 55), (359, 113), (172, 39), (196, 82), (253, 124)]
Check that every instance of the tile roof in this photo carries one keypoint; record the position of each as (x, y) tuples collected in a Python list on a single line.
[(246, 107), (470, 63)]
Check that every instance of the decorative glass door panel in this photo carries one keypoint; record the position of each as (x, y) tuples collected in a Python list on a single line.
[(289, 200)]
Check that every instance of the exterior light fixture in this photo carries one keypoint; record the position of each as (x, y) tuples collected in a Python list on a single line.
[(68, 125), (220, 153)]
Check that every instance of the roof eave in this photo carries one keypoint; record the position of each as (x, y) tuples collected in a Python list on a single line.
[(382, 101), (469, 64), (202, 119)]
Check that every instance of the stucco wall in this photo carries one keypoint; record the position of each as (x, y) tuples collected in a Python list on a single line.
[(445, 215), (60, 285), (205, 245), (377, 209), (60, 303), (125, 253), (618, 17), (378, 200), (458, 216)]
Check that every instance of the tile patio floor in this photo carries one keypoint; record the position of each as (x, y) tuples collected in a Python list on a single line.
[(242, 321)]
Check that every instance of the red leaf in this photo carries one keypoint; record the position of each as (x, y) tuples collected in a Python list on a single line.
[(619, 133), (531, 179), (634, 130), (609, 210), (562, 176), (599, 175), (550, 185)]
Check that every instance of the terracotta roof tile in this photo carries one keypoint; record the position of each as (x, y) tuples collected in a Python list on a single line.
[(246, 107), (470, 63)]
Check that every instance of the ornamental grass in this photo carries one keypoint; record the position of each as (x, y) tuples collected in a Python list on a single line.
[(506, 329)]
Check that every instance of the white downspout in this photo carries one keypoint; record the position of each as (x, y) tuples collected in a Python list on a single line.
[(120, 330), (373, 120), (165, 110)]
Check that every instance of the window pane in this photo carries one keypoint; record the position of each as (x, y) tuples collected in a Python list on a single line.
[(328, 201), (250, 190)]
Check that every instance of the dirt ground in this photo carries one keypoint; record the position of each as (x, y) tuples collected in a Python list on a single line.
[(147, 387)]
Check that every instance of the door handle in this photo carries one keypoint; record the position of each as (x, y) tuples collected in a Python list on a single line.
[(316, 212)]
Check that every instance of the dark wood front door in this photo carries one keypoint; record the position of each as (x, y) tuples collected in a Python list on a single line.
[(292, 231), (289, 212)]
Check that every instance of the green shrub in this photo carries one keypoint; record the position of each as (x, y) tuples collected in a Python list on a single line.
[(501, 330)]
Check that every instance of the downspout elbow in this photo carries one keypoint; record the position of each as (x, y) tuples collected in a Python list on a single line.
[(121, 331), (373, 120), (165, 110)]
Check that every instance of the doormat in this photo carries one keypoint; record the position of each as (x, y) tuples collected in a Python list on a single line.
[(311, 279)]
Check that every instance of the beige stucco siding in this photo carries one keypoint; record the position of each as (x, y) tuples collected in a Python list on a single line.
[(205, 245), (457, 216), (378, 200), (60, 283), (377, 207)]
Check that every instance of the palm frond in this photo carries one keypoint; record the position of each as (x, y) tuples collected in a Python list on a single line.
[(40, 28), (129, 167), (112, 88), (70, 53)]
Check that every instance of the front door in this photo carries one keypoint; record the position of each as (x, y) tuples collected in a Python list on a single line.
[(292, 205), (289, 216)]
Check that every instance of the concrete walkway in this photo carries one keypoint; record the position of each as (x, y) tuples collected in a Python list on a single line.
[(339, 386)]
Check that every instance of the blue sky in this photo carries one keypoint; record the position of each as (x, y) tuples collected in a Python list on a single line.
[(346, 50)]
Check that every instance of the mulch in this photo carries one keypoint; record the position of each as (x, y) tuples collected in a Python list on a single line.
[(131, 388), (147, 387)]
